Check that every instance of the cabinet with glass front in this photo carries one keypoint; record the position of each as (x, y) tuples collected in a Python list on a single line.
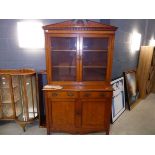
[(79, 59)]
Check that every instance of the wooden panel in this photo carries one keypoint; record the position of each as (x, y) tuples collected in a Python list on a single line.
[(59, 94), (94, 94), (143, 71), (62, 113), (93, 113)]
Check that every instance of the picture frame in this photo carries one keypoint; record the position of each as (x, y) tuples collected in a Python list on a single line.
[(118, 99), (131, 86)]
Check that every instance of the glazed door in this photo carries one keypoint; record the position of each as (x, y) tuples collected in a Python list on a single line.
[(7, 108), (63, 57), (94, 57)]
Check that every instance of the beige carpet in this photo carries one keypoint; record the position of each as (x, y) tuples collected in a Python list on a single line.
[(139, 121)]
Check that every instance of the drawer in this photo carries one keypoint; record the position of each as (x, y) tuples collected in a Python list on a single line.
[(58, 94), (95, 94)]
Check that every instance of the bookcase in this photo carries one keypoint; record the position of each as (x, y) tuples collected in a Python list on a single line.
[(79, 58)]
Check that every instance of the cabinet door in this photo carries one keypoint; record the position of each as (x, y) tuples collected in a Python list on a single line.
[(62, 114), (63, 57), (94, 53), (6, 101), (95, 114)]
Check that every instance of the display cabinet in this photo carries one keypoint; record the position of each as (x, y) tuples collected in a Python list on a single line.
[(18, 96), (79, 58)]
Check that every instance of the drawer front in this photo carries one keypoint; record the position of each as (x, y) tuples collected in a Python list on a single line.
[(67, 94), (95, 94)]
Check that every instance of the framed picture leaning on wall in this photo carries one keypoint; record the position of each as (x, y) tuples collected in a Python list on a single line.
[(118, 100), (132, 91)]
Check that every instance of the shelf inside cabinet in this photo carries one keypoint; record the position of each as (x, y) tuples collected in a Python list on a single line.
[(64, 66), (104, 67), (95, 50), (64, 50)]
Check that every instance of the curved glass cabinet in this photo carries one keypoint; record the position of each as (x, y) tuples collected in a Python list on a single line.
[(18, 96)]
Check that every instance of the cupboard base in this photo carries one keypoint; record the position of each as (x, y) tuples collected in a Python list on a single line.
[(78, 111)]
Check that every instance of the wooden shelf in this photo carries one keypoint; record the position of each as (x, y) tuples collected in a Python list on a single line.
[(64, 66), (64, 50), (95, 50), (94, 67)]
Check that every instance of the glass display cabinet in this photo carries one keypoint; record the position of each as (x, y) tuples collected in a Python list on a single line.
[(18, 96), (67, 59), (79, 59)]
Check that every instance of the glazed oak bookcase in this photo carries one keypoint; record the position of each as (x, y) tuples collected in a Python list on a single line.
[(79, 58)]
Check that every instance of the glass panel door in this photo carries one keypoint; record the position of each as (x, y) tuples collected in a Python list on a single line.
[(63, 58), (6, 108), (94, 58)]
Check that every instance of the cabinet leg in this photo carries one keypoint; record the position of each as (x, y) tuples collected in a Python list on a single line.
[(107, 132), (23, 126), (48, 132)]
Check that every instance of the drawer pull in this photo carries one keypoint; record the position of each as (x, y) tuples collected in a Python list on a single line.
[(102, 95), (54, 94), (70, 94), (78, 113), (87, 95)]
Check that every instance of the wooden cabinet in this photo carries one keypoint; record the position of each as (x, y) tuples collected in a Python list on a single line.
[(79, 110), (79, 58), (146, 71)]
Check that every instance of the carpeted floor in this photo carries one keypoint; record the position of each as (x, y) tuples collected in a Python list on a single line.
[(139, 121)]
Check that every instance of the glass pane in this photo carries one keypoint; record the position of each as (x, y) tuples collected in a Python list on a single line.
[(95, 43), (29, 96), (7, 110), (5, 97), (94, 74), (63, 58), (35, 95), (5, 89), (94, 58), (16, 93), (63, 43), (64, 74)]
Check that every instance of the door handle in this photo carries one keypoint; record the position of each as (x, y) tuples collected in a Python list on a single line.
[(87, 95), (70, 94), (102, 95), (54, 94)]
